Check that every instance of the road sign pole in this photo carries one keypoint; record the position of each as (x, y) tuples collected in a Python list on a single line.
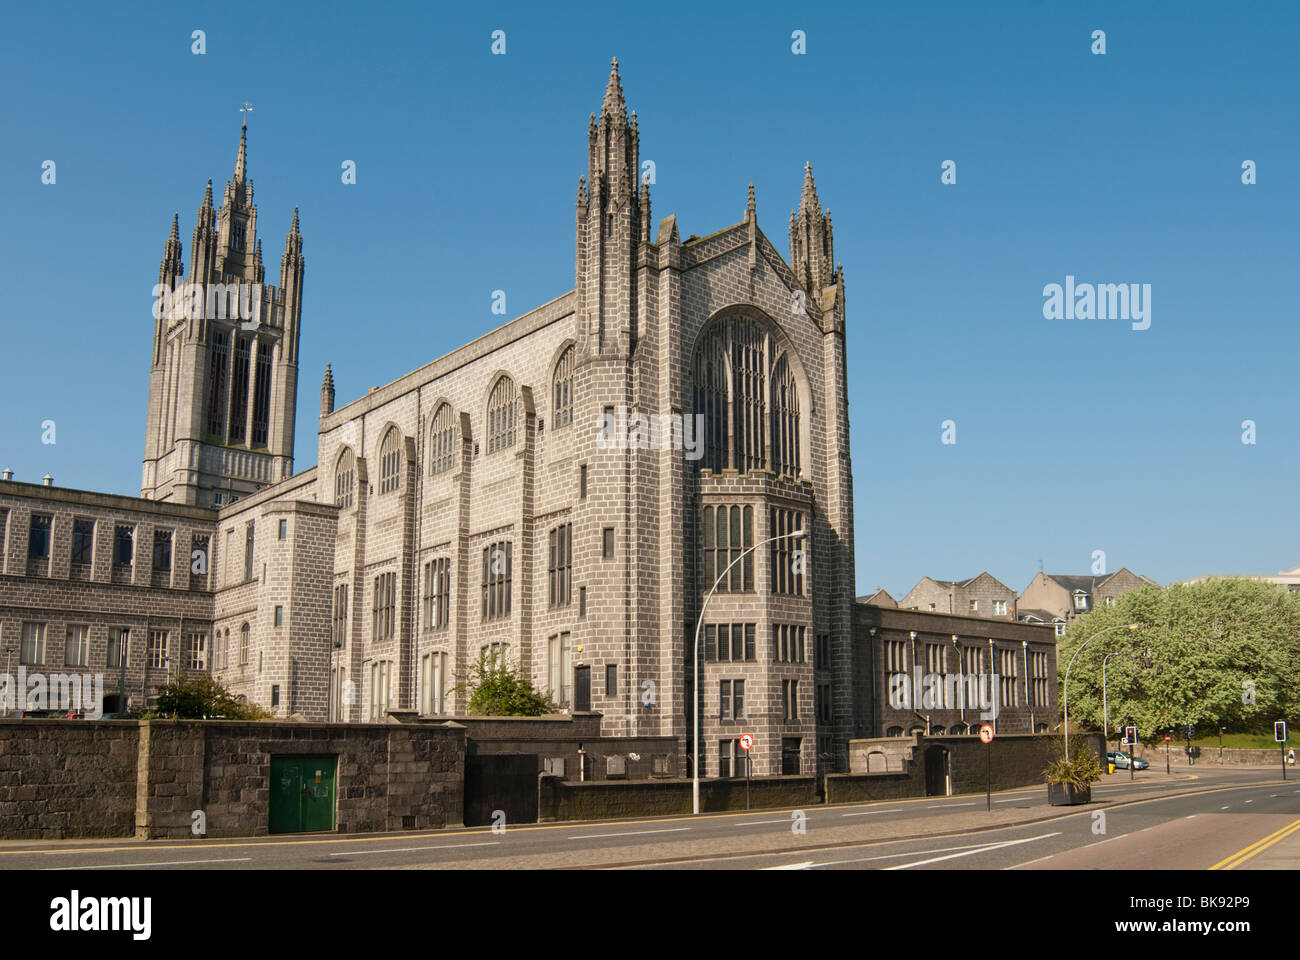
[(1132, 758), (986, 734), (748, 762), (1284, 761), (1167, 739)]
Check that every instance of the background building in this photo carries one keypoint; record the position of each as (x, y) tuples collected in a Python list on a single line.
[(982, 595), (1057, 599)]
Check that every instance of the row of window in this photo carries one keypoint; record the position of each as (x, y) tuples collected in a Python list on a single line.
[(731, 700), (727, 533), (76, 647), (41, 532), (227, 419), (734, 642)]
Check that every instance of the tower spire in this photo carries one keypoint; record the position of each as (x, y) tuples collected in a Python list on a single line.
[(812, 243), (614, 105)]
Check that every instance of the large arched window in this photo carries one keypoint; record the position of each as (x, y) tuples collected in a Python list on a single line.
[(390, 462), (442, 440), (243, 645), (503, 415), (345, 478), (748, 398), (563, 389), (785, 419)]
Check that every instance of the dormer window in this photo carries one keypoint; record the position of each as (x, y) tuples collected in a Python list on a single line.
[(1080, 600)]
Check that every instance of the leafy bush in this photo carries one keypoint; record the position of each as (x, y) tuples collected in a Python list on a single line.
[(1081, 770), (198, 696), (495, 689)]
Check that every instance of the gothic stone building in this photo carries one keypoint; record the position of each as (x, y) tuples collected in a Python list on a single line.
[(540, 491)]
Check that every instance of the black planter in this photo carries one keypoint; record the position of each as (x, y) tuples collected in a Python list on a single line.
[(1067, 794)]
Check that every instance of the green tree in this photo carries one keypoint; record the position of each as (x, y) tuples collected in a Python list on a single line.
[(496, 689), (1202, 653), (199, 695)]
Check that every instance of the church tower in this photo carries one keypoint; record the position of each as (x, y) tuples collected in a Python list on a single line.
[(223, 384)]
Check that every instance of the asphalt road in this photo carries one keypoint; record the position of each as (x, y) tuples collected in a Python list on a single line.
[(1211, 815)]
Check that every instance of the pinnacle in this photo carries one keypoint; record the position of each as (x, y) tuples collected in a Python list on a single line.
[(294, 227), (614, 93)]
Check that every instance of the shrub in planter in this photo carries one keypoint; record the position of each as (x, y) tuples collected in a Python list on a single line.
[(1070, 778)]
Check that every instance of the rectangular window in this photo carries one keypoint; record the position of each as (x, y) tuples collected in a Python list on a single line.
[(38, 541), (738, 693), (119, 642), (76, 647), (560, 668), (157, 648), (790, 699), (284, 529), (196, 651), (33, 649), (611, 680), (162, 550), (999, 608), (724, 700), (607, 542), (728, 535), (582, 482), (380, 672), (437, 589), (385, 606), (248, 552), (824, 702), (725, 748), (279, 615), (83, 541), (275, 694), (787, 554), (933, 658), (340, 615), (895, 656), (730, 642), (974, 606), (823, 653), (582, 601), (497, 563), (560, 565)]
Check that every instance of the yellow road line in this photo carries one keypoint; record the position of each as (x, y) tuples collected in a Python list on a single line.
[(1259, 846)]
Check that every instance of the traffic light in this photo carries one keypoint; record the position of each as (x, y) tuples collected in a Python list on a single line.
[(1279, 731), (1191, 731), (1131, 734)]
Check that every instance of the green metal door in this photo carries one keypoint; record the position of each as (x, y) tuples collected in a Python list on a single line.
[(302, 794)]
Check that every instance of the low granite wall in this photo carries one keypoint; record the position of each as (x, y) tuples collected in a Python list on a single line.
[(620, 799)]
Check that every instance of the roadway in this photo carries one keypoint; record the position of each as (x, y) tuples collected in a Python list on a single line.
[(1192, 820)]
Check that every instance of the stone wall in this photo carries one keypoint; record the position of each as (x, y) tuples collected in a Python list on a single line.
[(115, 778), (1016, 761), (67, 778), (565, 800)]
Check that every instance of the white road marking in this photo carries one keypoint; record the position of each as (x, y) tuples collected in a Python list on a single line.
[(886, 856), (158, 863), (867, 813), (1012, 799), (1223, 808), (448, 846), (793, 866), (983, 849), (1250, 801), (936, 806), (750, 823), (635, 833)]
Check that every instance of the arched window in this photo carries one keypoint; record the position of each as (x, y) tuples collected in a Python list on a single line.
[(442, 440), (894, 732), (563, 390), (503, 415), (243, 645), (749, 404), (345, 478), (785, 419), (390, 462)]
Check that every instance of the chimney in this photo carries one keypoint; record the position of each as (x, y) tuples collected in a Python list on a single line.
[(8, 474), (47, 480)]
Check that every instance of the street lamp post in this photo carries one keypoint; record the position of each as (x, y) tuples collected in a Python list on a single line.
[(1066, 727), (1105, 713), (695, 657)]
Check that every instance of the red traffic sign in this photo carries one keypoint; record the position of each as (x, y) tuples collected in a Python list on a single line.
[(986, 733), (1167, 738), (746, 741), (1124, 742)]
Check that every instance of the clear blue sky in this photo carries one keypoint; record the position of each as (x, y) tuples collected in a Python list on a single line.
[(1072, 435)]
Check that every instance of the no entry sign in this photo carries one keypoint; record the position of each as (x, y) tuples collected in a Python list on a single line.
[(986, 733), (746, 741)]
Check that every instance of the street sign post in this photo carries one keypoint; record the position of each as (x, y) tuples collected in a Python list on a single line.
[(1279, 734), (746, 744), (986, 734)]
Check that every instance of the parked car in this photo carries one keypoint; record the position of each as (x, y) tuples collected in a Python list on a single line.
[(1121, 760)]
